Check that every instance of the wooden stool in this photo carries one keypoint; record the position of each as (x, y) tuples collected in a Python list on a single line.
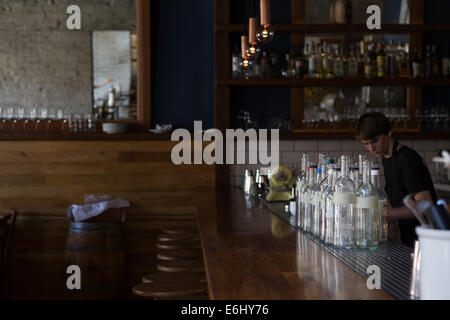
[(178, 237), (181, 266), (164, 277), (178, 245), (196, 297), (188, 254), (180, 230), (169, 289)]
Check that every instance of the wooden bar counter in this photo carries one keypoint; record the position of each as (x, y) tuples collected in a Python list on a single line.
[(252, 254)]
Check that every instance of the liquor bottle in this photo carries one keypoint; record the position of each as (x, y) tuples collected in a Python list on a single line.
[(315, 204), (403, 63), (276, 69), (266, 66), (301, 180), (236, 62), (391, 61), (338, 65), (303, 200), (381, 62), (382, 205), (292, 72), (328, 63), (416, 66), (344, 203), (445, 63), (428, 66), (300, 63), (369, 64), (323, 61), (329, 205), (325, 188), (308, 198), (313, 64), (366, 212), (257, 67), (286, 64), (361, 56), (434, 62), (292, 203), (353, 64)]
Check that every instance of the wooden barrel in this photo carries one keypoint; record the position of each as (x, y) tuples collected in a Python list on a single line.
[(98, 249)]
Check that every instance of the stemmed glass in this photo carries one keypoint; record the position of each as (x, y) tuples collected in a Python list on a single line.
[(51, 116), (42, 114), (20, 115)]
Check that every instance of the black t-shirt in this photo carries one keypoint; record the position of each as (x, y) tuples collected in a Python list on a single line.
[(406, 173)]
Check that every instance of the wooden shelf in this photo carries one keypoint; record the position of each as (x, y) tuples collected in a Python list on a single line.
[(331, 82), (338, 28)]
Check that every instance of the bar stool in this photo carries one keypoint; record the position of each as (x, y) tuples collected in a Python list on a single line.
[(165, 277), (171, 255), (181, 266), (178, 237), (180, 230), (178, 245), (169, 289)]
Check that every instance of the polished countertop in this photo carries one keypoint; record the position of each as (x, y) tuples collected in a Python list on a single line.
[(252, 254)]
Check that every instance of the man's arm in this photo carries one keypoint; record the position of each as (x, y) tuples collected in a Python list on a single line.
[(404, 212)]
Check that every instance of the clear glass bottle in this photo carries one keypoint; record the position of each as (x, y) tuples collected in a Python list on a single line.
[(307, 200), (344, 204), (329, 204), (301, 180), (325, 189), (382, 206), (303, 200), (315, 198), (366, 212)]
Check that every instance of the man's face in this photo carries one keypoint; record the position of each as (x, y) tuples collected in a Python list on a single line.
[(378, 146)]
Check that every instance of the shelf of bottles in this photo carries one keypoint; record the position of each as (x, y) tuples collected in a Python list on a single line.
[(365, 63)]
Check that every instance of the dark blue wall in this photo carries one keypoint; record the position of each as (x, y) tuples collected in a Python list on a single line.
[(182, 62)]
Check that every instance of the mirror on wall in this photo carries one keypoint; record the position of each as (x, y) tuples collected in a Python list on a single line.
[(114, 57)]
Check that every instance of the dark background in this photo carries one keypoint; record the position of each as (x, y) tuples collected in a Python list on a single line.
[(183, 60)]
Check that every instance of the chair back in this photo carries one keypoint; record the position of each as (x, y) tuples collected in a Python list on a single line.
[(7, 224)]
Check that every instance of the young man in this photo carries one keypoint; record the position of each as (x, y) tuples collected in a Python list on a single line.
[(404, 171)]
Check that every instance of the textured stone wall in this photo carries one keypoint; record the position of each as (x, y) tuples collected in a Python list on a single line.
[(42, 64)]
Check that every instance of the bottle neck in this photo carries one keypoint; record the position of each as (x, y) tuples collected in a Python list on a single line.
[(374, 177), (344, 167), (366, 172)]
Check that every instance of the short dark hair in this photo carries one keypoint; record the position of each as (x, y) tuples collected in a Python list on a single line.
[(370, 125)]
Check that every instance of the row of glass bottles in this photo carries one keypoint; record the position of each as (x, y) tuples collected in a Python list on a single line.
[(341, 205)]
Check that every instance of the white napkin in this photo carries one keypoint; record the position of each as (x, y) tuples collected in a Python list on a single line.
[(82, 213), (165, 128)]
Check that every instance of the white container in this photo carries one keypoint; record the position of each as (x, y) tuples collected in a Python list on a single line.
[(114, 127), (434, 264)]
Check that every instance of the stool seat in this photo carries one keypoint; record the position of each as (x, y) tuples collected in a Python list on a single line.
[(180, 230), (196, 297), (174, 277), (177, 245), (169, 289), (181, 266), (170, 255), (178, 237)]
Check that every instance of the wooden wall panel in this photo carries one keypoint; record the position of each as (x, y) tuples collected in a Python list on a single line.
[(41, 179)]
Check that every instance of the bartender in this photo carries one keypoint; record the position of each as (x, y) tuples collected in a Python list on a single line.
[(404, 171)]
